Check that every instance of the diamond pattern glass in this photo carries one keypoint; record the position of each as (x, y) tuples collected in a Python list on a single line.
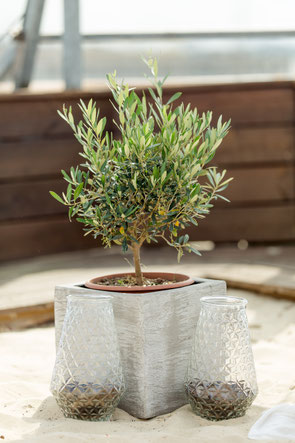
[(87, 380), (221, 380)]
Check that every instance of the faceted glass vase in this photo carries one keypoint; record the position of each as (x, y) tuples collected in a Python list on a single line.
[(87, 380), (221, 380)]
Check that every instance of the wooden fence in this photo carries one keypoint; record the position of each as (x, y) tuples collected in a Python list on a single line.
[(259, 152)]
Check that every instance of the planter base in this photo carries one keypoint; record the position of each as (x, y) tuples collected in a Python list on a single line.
[(155, 333)]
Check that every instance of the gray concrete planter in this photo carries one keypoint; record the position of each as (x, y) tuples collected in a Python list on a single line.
[(155, 334)]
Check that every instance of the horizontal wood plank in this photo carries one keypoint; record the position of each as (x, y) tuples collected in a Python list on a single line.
[(52, 235), (102, 89), (256, 145), (259, 152), (251, 106), (257, 224), (38, 158), (261, 184), (21, 120), (245, 107), (236, 278), (26, 316), (31, 199), (40, 237)]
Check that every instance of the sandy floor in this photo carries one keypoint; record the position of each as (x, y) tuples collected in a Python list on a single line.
[(28, 413)]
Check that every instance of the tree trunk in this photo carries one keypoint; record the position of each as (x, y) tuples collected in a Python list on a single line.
[(136, 259)]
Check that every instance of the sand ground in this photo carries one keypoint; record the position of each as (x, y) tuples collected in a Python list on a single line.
[(28, 412)]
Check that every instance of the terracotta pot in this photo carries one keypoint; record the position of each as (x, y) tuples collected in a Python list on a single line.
[(180, 280)]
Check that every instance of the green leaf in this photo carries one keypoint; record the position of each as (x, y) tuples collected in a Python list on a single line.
[(66, 177), (127, 150), (100, 127), (108, 199), (78, 190), (222, 198), (89, 108), (192, 221), (179, 255), (57, 197), (174, 97), (195, 251), (69, 192), (194, 198), (155, 68), (122, 118), (82, 220), (163, 176), (210, 175), (70, 117), (153, 94), (70, 213), (156, 172), (62, 116), (130, 211), (120, 99), (124, 245), (93, 116)]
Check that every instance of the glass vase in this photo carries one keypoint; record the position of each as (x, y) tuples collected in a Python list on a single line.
[(221, 380), (87, 380)]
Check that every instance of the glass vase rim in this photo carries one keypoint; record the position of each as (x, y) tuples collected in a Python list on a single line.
[(225, 301), (87, 296)]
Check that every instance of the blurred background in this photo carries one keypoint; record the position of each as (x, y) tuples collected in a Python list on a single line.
[(191, 38), (236, 58)]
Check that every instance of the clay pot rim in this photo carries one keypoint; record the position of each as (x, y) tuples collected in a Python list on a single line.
[(181, 281)]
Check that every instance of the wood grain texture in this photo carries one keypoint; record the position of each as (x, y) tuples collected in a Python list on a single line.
[(55, 234), (36, 115), (255, 224), (37, 158), (102, 90), (155, 333), (40, 118), (31, 199), (259, 152), (260, 288), (26, 316), (254, 146), (267, 184), (42, 236), (246, 107)]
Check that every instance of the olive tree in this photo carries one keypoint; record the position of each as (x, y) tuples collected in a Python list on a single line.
[(154, 180)]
